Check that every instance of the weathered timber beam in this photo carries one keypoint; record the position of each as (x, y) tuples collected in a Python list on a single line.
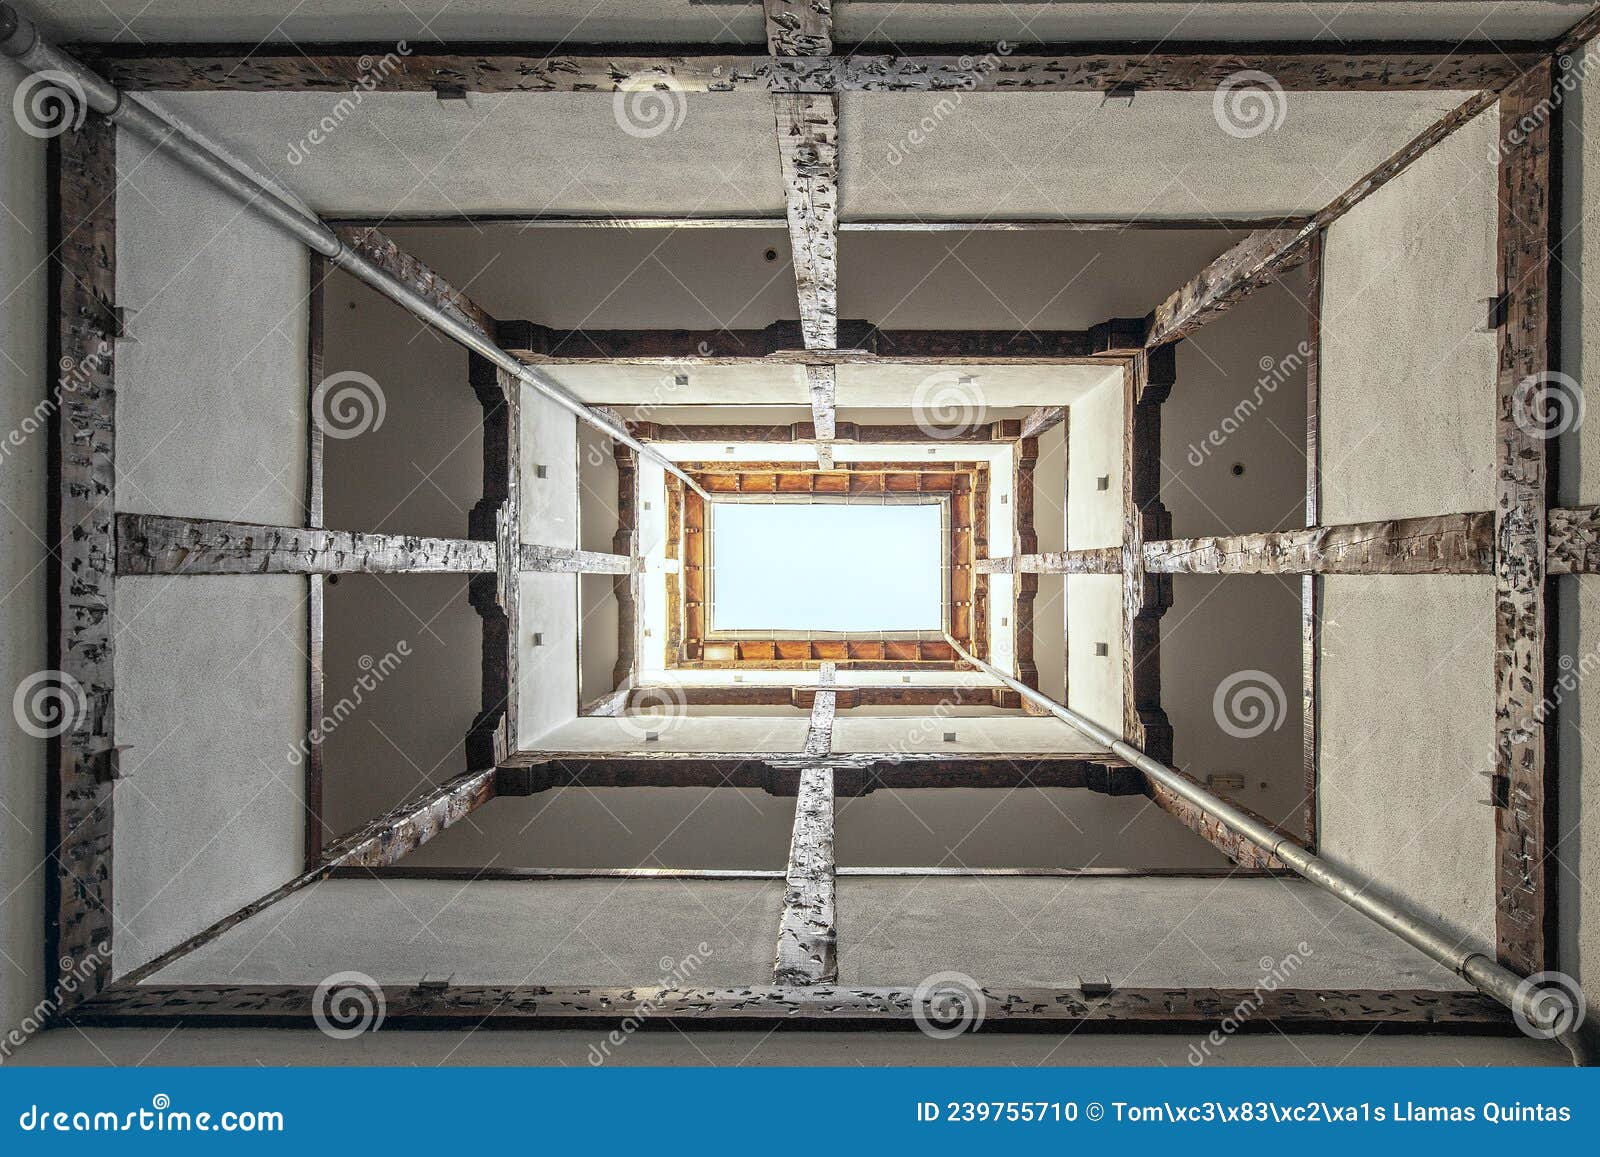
[(1522, 791), (822, 382), (1120, 337), (386, 254), (1246, 853), (79, 711), (570, 67), (159, 544), (855, 774), (628, 589), (784, 341), (858, 225), (808, 156), (845, 697), (1443, 544), (799, 27), (1105, 560), (567, 560), (1266, 254), (1258, 260), (1042, 420), (1572, 541), (751, 1006), (1024, 586), (382, 841), (1577, 38), (1311, 585), (796, 432), (807, 938), (824, 705)]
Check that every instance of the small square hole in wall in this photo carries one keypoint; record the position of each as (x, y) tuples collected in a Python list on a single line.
[(1005, 498), (905, 678), (538, 638), (949, 736), (652, 737), (541, 471), (1103, 482), (1004, 622), (1101, 650)]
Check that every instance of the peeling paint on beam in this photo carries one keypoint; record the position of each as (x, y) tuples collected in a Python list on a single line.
[(1442, 544), (155, 544), (1100, 560), (567, 560), (807, 937), (808, 154)]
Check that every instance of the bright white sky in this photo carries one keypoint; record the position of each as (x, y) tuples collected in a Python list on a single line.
[(826, 566)]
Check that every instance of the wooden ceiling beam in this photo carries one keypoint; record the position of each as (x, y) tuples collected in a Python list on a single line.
[(158, 544), (384, 252), (807, 937), (530, 67), (797, 432), (1105, 560), (799, 27), (1443, 544), (566, 560)]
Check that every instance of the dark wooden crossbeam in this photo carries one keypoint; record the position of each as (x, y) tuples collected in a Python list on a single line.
[(807, 937), (383, 841), (858, 342), (608, 68), (82, 566), (158, 544), (1522, 789), (1146, 596), (387, 255)]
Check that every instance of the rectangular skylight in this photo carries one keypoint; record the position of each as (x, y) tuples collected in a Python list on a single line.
[(826, 566)]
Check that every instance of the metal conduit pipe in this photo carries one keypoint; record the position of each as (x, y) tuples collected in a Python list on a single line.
[(1526, 1000), (21, 40)]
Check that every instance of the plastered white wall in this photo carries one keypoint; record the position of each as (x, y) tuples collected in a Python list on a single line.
[(24, 385), (210, 813), (1406, 734), (211, 393), (1094, 519), (1408, 362), (210, 672), (980, 733)]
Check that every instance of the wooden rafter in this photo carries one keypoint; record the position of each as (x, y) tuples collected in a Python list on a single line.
[(543, 67), (82, 563), (807, 937), (824, 705), (158, 544), (858, 342), (808, 155), (1042, 420), (567, 560), (1024, 586), (1444, 544), (799, 27), (1311, 585), (763, 1006), (1101, 560), (798, 432), (845, 697), (1523, 795), (387, 255), (855, 774), (629, 588), (1245, 853), (385, 840)]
